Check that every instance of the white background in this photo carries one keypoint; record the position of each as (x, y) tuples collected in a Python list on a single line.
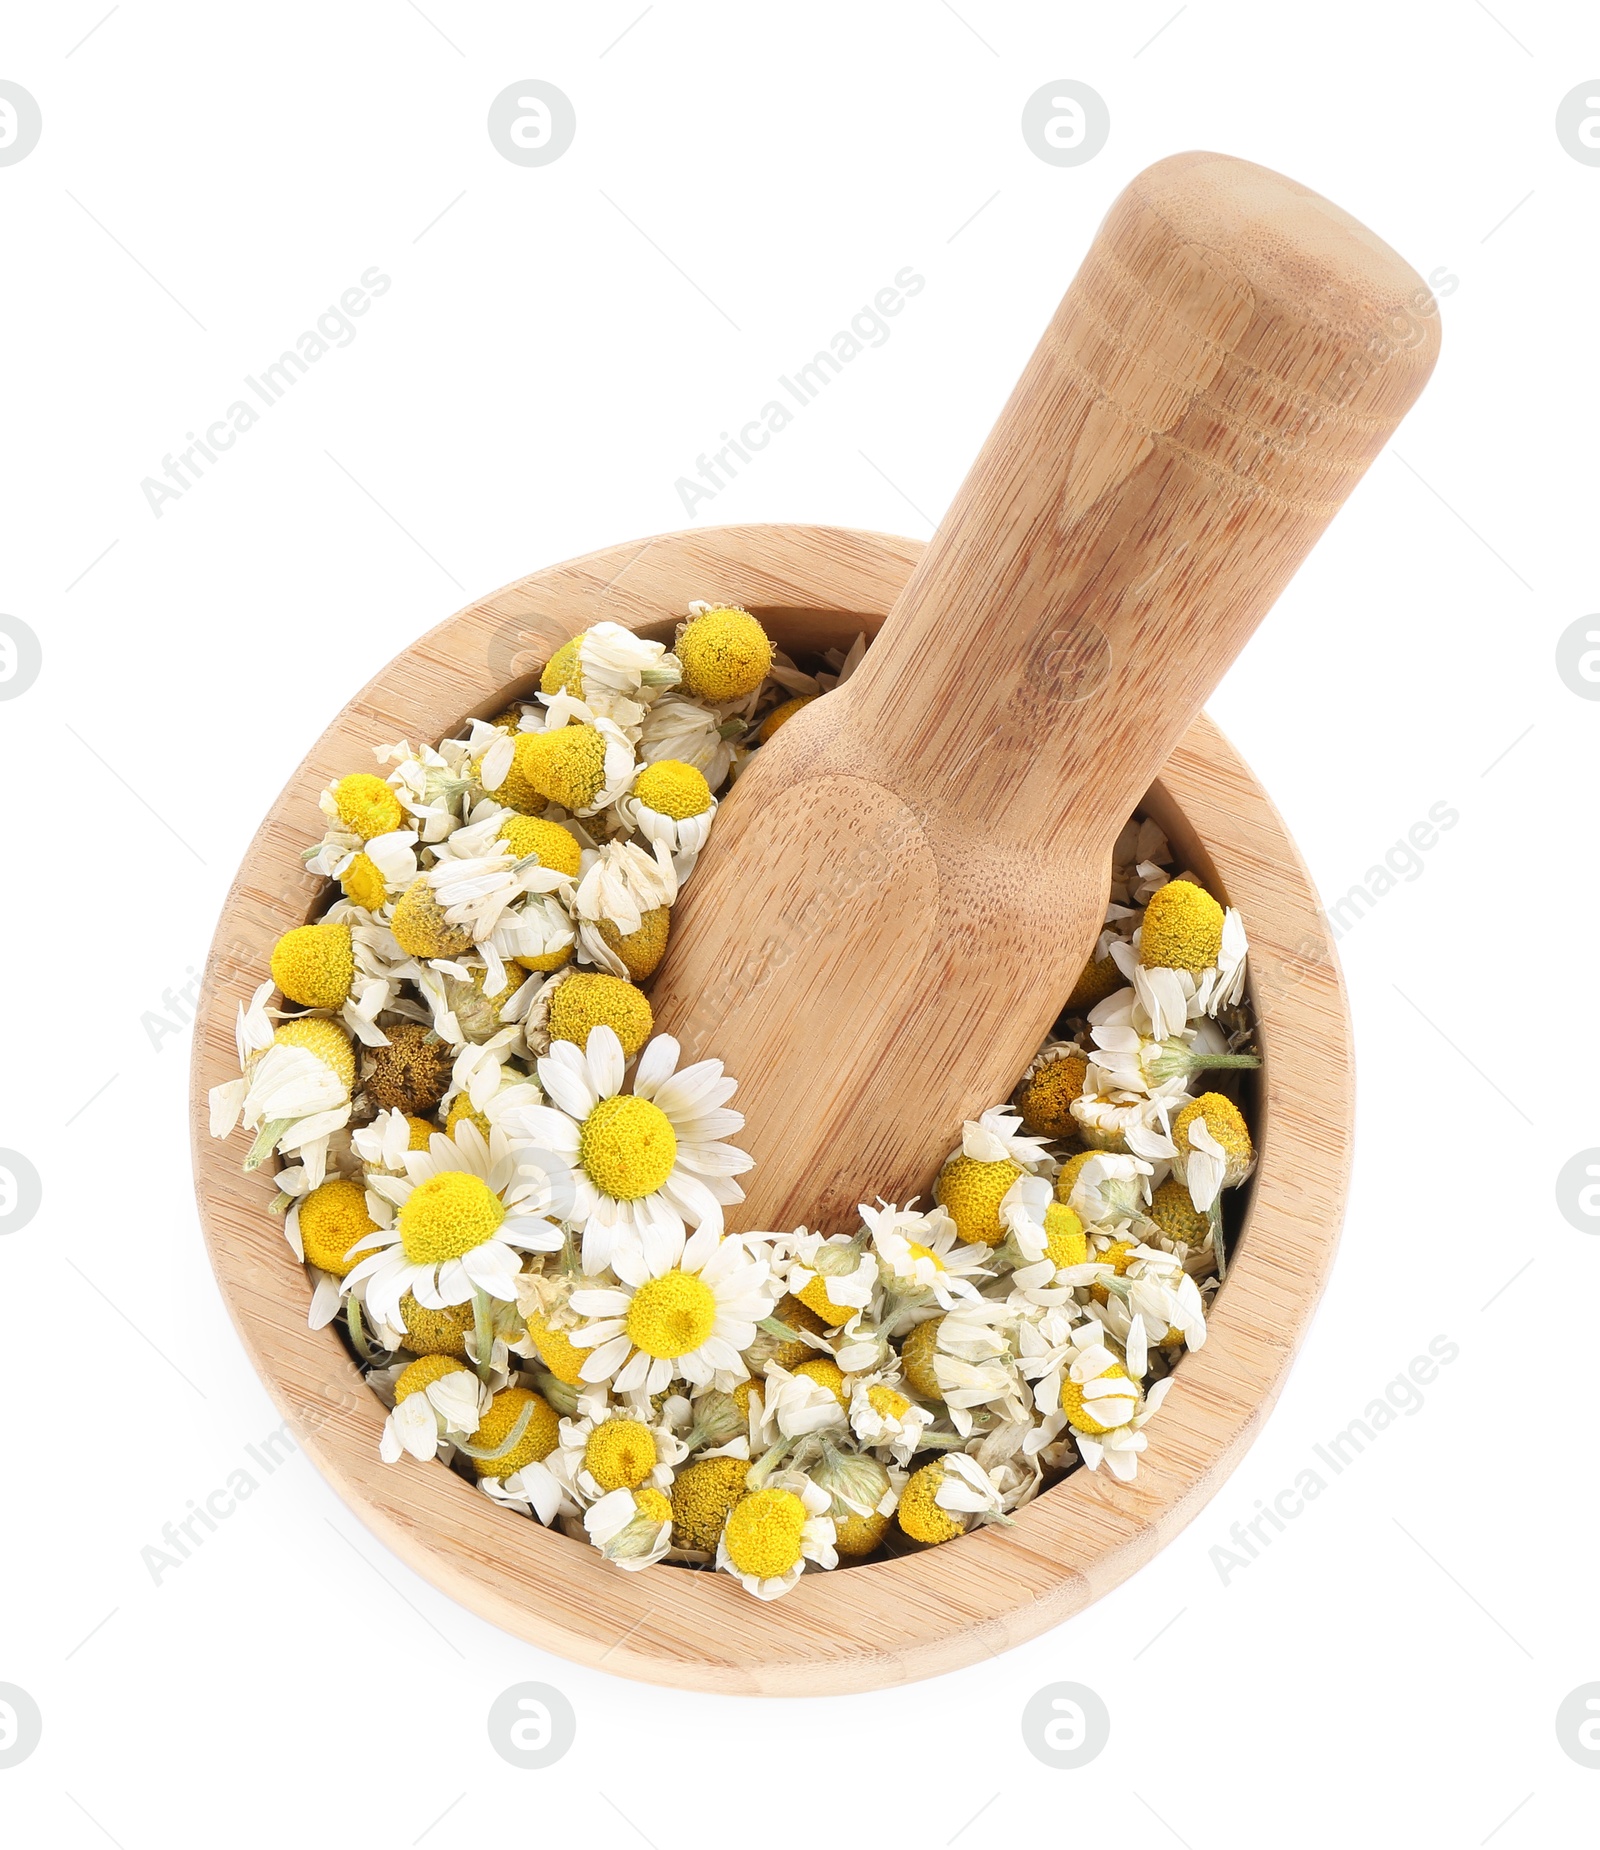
[(538, 376)]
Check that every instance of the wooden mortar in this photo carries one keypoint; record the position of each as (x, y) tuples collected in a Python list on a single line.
[(888, 1621)]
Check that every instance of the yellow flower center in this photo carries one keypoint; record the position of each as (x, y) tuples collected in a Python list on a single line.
[(653, 1505), (422, 1374), (814, 1295), (887, 1403), (1065, 1242), (828, 1375), (315, 965), (782, 714), (587, 999), (627, 1147), (327, 1040), (919, 1513), (557, 1352), (332, 1218), (539, 1436), (702, 1495), (918, 1251), (763, 1535), (725, 655), (420, 927), (640, 950), (916, 1358), (1175, 1214), (363, 885), (435, 1332), (1182, 928), (567, 766), (673, 789), (1045, 1100), (366, 805), (620, 1454), (1222, 1118), (671, 1315), (555, 846), (1071, 1169), (447, 1216), (564, 670), (970, 1192), (1075, 1406)]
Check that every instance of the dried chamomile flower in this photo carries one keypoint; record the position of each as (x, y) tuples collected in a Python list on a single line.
[(437, 1402), (1049, 1088), (702, 1495), (771, 1533), (1213, 1144), (944, 1499), (725, 653), (649, 1160), (466, 1210), (631, 1528), (671, 805)]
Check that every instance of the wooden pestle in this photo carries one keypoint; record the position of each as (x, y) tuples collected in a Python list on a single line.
[(904, 884)]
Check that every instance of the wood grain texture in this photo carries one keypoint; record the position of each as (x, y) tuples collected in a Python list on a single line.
[(891, 1621), (1230, 358)]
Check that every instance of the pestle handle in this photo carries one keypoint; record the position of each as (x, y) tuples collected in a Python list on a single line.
[(1229, 359)]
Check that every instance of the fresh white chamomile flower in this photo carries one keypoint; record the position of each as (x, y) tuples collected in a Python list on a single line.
[(773, 1531), (681, 729), (883, 1417), (645, 1162), (680, 1311), (620, 1450), (631, 1528), (919, 1252), (467, 1209), (478, 875), (437, 1401)]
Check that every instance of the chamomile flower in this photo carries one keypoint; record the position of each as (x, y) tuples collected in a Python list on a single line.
[(295, 1088), (621, 885), (648, 1161), (616, 673), (1106, 1189), (771, 1533), (631, 1528), (410, 1072), (793, 1404), (325, 1227), (919, 1253), (831, 1275), (944, 1499), (884, 1418), (724, 652), (618, 1451), (688, 733), (1213, 1148), (583, 766), (437, 1401), (539, 934), (465, 1212), (680, 1311), (671, 805)]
